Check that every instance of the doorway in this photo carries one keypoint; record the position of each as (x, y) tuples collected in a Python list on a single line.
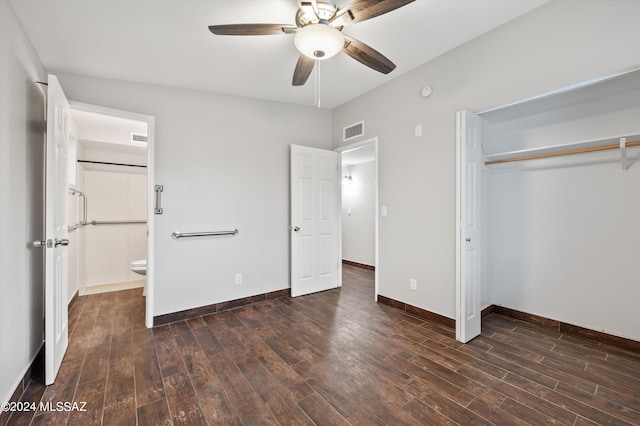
[(359, 206), (109, 216)]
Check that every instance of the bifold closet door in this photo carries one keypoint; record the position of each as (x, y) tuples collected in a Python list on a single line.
[(468, 235)]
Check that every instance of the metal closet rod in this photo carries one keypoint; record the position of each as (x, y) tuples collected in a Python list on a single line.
[(561, 153)]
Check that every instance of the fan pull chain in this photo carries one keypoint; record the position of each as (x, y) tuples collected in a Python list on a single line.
[(317, 83)]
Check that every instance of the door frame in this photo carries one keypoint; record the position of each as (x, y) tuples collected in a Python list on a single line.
[(371, 141), (150, 120)]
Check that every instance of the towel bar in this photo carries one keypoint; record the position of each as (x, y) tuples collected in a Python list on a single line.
[(176, 235)]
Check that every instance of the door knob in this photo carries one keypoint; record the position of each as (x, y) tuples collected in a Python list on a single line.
[(296, 228), (51, 243), (468, 240), (64, 242)]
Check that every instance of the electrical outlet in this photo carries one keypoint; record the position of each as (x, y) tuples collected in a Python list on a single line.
[(238, 278), (418, 130), (413, 284)]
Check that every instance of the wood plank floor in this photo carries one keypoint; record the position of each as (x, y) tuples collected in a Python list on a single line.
[(330, 358)]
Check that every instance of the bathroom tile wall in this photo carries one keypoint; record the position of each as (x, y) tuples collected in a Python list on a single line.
[(110, 249)]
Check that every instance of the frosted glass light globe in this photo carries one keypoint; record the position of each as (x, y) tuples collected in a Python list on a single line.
[(319, 41)]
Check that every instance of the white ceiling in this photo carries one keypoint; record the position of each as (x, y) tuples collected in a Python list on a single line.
[(167, 42), (361, 154), (91, 126)]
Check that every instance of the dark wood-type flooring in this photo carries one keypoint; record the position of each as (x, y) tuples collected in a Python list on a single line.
[(334, 357)]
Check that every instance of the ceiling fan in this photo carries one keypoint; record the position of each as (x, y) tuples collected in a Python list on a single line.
[(318, 33)]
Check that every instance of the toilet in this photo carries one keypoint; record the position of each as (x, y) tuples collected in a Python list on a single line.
[(139, 266)]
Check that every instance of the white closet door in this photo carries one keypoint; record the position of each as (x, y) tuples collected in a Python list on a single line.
[(468, 236)]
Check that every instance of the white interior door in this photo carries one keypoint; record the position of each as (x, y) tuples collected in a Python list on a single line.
[(468, 243), (56, 238), (314, 220)]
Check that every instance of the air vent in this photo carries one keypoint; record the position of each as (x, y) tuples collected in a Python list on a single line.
[(139, 138), (353, 131)]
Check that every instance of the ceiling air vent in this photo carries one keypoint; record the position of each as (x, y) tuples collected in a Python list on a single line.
[(353, 131), (139, 138)]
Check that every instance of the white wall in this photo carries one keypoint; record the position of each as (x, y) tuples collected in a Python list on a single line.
[(561, 43), (21, 204), (113, 153), (565, 243), (224, 163), (358, 227), (110, 249), (73, 253), (77, 237)]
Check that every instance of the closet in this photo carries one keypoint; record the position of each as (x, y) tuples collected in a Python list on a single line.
[(559, 203)]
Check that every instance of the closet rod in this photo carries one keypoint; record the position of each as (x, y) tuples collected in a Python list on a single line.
[(111, 164), (561, 153)]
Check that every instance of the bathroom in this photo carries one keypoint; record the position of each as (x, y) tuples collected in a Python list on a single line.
[(107, 202)]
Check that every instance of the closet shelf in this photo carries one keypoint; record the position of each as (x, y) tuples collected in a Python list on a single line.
[(596, 145)]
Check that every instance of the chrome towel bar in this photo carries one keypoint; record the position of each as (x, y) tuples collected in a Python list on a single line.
[(82, 222), (176, 235)]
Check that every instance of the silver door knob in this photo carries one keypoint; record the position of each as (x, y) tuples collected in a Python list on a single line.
[(64, 242), (468, 240), (296, 228)]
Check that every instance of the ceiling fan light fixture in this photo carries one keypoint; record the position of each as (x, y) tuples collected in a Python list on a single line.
[(319, 41)]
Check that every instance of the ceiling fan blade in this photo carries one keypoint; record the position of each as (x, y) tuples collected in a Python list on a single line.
[(252, 29), (368, 56), (361, 10), (303, 70)]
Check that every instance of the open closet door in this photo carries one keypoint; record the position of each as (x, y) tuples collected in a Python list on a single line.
[(314, 220), (56, 233), (468, 243)]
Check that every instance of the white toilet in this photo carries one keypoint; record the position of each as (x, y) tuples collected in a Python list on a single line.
[(139, 266)]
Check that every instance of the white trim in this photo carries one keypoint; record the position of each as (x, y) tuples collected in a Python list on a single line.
[(339, 182), (150, 120), (342, 150), (151, 146), (459, 184)]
